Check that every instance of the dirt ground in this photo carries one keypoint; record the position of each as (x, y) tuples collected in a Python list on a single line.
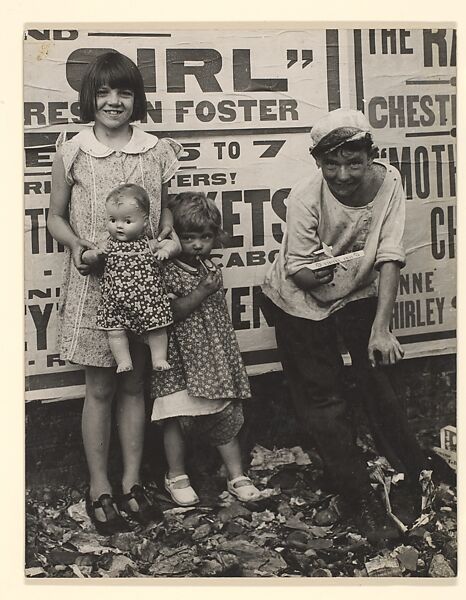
[(295, 530)]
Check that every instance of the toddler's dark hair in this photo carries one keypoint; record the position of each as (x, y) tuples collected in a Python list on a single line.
[(117, 71), (193, 211), (133, 191)]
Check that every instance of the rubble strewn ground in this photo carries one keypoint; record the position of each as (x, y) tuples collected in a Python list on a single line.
[(295, 530)]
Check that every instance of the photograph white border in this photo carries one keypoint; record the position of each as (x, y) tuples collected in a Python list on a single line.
[(19, 14)]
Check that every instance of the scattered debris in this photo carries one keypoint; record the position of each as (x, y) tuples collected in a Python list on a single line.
[(265, 460), (296, 529), (254, 559), (326, 516), (201, 532), (35, 572), (383, 566), (440, 567), (231, 512), (407, 557)]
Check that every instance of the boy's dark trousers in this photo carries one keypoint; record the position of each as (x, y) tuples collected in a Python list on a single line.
[(313, 367)]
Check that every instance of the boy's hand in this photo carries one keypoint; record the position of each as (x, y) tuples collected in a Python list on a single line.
[(324, 275), (211, 283), (77, 250), (308, 280), (384, 348)]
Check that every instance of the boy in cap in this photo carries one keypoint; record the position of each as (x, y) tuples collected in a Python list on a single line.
[(353, 203)]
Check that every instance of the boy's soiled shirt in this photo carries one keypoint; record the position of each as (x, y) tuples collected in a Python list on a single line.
[(314, 216)]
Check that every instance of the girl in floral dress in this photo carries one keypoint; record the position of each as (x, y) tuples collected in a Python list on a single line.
[(207, 381), (86, 168)]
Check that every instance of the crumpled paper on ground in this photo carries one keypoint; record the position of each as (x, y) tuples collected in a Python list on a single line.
[(264, 459)]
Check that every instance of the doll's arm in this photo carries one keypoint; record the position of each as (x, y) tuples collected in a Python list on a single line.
[(167, 248)]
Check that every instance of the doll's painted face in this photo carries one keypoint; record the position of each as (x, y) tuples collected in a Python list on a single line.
[(125, 219)]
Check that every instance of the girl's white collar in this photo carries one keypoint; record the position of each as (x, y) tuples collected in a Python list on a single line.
[(140, 141)]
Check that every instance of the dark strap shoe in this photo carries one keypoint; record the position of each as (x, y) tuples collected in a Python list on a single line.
[(114, 522), (147, 512)]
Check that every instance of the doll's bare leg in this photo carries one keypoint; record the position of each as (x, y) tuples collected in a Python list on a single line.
[(158, 344), (119, 345)]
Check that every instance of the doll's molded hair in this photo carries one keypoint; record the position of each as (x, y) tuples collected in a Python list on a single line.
[(193, 211), (117, 71), (132, 191)]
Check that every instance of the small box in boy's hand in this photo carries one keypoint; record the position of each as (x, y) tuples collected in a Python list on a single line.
[(335, 260)]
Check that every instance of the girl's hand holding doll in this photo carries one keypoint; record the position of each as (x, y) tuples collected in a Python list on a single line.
[(79, 248), (94, 259)]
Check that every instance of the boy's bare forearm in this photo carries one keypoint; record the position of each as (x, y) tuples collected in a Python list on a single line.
[(388, 287)]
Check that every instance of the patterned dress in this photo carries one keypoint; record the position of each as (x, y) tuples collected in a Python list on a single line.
[(133, 294), (208, 371), (93, 170)]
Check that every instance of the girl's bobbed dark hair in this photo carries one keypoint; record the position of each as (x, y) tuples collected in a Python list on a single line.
[(117, 71)]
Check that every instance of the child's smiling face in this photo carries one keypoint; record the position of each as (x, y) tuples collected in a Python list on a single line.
[(114, 107), (344, 171), (125, 219)]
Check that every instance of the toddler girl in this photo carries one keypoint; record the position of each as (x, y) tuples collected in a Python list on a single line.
[(86, 168), (132, 291), (207, 381)]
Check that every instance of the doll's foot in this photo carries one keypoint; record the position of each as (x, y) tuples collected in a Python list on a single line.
[(123, 367), (161, 365)]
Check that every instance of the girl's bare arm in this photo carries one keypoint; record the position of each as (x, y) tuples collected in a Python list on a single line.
[(166, 217), (182, 307), (58, 220)]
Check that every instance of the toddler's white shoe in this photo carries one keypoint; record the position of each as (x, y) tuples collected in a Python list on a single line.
[(246, 492), (183, 496)]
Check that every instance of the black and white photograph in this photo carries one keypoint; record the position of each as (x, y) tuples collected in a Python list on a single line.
[(274, 394)]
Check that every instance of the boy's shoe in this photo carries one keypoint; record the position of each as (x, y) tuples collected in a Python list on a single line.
[(247, 492), (441, 471), (183, 496), (374, 523)]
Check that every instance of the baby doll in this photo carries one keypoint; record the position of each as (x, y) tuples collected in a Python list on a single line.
[(133, 294)]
